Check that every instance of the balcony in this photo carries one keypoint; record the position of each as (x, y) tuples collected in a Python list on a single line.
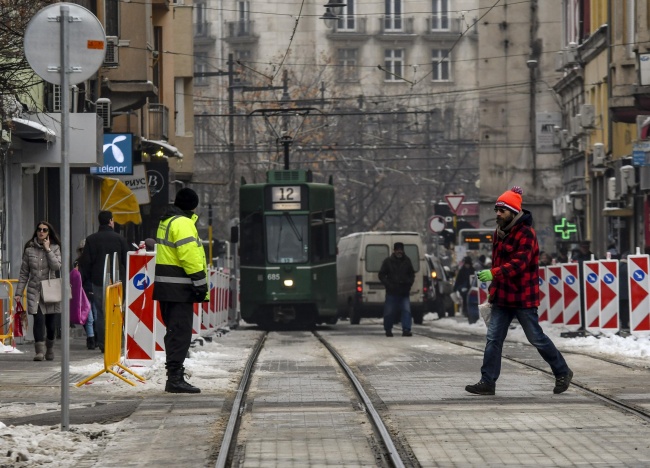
[(158, 122), (444, 29), (203, 33), (349, 28), (396, 28), (240, 32)]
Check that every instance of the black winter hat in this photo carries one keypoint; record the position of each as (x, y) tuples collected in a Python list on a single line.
[(186, 199)]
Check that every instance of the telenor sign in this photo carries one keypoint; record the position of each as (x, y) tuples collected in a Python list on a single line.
[(118, 155)]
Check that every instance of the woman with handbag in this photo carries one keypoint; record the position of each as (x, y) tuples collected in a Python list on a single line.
[(41, 261)]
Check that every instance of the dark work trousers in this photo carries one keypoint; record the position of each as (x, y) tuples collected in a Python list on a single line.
[(178, 318), (44, 324)]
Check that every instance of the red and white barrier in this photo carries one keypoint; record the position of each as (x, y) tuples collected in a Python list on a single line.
[(139, 323), (639, 282), (571, 294), (543, 295), (555, 292), (609, 304), (591, 288)]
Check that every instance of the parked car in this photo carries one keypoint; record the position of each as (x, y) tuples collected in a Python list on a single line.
[(440, 288)]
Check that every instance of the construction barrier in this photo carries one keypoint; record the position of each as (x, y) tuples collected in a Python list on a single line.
[(555, 291), (571, 294), (609, 303), (8, 332), (139, 319), (113, 337), (591, 299), (639, 283), (542, 310)]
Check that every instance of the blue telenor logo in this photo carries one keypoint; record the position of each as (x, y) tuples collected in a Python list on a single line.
[(141, 281), (570, 279), (554, 280), (118, 155), (592, 278), (608, 278), (638, 275)]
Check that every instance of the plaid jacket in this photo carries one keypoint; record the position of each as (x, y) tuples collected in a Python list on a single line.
[(515, 266)]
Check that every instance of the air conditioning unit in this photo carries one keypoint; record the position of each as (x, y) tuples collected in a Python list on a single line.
[(571, 55), (587, 116), (598, 155), (576, 128), (628, 179), (611, 189), (111, 59), (103, 108), (559, 61)]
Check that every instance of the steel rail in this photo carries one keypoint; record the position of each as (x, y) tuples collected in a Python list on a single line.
[(374, 416), (237, 404)]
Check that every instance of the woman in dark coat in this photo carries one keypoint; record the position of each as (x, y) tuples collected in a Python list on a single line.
[(41, 260)]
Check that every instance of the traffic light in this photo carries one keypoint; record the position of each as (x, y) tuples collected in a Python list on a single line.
[(221, 248)]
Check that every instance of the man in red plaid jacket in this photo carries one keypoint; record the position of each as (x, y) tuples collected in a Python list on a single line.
[(514, 292)]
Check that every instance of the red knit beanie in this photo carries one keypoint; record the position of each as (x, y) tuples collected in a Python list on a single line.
[(511, 200)]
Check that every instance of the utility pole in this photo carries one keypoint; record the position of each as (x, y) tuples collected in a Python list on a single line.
[(231, 139)]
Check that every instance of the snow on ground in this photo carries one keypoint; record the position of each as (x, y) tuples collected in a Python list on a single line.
[(27, 446)]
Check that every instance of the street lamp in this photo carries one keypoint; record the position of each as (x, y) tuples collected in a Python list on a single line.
[(332, 12)]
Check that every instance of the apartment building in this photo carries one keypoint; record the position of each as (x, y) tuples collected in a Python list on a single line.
[(389, 88)]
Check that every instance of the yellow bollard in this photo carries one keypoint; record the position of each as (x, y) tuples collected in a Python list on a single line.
[(113, 345), (10, 331)]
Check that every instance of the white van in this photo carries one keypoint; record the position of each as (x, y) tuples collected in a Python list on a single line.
[(359, 258)]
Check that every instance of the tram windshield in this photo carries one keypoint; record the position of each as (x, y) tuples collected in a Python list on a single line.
[(287, 238)]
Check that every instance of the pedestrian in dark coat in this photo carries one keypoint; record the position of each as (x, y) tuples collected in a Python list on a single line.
[(41, 260), (463, 282), (91, 264), (514, 292), (397, 275)]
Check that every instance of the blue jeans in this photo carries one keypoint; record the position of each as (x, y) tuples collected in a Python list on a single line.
[(392, 306), (100, 326), (89, 326), (496, 335)]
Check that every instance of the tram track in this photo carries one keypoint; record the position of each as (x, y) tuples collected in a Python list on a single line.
[(392, 451), (478, 345)]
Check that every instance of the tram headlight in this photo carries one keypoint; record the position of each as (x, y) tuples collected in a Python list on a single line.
[(288, 283)]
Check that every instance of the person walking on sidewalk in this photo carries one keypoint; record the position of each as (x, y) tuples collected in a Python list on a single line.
[(514, 292), (181, 281), (87, 287), (91, 264), (41, 260), (463, 282), (397, 275)]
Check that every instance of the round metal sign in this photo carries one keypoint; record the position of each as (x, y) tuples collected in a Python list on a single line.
[(437, 224), (86, 42)]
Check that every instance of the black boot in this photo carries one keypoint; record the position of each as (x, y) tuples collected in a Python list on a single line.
[(90, 342), (176, 382)]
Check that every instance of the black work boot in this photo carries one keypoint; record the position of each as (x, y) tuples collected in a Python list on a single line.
[(176, 382), (562, 382), (481, 388), (90, 342)]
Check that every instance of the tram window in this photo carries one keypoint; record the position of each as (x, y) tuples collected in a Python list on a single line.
[(251, 239), (286, 238), (375, 255)]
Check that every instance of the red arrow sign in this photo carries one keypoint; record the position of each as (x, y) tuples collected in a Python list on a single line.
[(454, 201)]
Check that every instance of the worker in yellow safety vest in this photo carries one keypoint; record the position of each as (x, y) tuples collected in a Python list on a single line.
[(181, 280)]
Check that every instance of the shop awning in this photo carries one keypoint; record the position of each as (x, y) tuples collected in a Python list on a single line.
[(120, 200), (32, 131), (154, 146)]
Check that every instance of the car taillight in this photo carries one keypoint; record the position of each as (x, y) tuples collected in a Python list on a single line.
[(359, 284), (425, 288)]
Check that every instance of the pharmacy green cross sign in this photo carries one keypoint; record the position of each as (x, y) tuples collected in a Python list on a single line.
[(565, 228)]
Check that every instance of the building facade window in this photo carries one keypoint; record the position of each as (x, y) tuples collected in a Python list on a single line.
[(347, 61), (242, 60), (201, 25), (441, 66), (347, 21), (200, 66), (243, 18), (440, 15), (393, 64), (112, 18), (393, 15)]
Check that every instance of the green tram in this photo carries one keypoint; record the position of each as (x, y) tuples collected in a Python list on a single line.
[(287, 251)]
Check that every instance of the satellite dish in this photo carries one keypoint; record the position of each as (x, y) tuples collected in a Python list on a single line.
[(86, 43)]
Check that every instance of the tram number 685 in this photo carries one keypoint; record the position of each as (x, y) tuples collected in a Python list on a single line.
[(273, 277)]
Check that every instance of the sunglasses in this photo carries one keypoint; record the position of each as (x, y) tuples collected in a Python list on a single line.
[(42, 229), (500, 210)]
